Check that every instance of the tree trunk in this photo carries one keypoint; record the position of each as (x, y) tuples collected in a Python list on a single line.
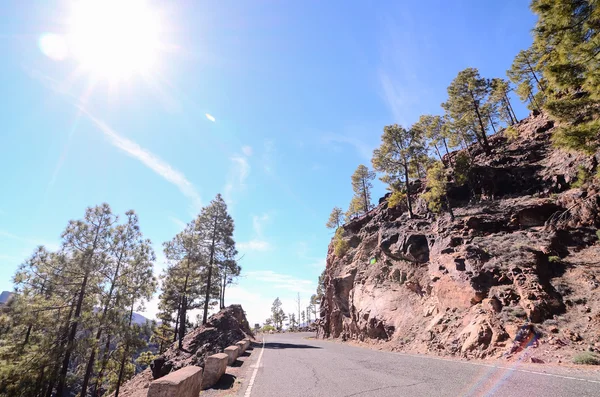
[(541, 87), (182, 321), (492, 123), (408, 200), (486, 146), (534, 102), (125, 351), (105, 355), (447, 151), (511, 111), (439, 154), (365, 199), (210, 266), (60, 389), (177, 321), (92, 359)]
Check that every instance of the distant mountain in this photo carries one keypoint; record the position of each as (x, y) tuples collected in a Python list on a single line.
[(5, 296), (139, 319)]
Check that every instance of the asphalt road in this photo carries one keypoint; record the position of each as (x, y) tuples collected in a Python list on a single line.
[(294, 366)]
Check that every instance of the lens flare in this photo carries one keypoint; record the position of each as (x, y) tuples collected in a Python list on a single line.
[(54, 46)]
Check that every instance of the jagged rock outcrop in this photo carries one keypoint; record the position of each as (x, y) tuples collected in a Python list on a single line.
[(222, 329), (518, 262)]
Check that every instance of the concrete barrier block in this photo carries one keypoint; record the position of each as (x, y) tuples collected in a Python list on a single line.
[(242, 346), (246, 344), (185, 382), (214, 368), (232, 353)]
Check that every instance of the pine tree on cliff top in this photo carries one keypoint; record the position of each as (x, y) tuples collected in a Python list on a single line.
[(361, 185), (216, 229), (433, 128), (499, 90), (466, 96), (335, 218), (183, 278), (399, 148)]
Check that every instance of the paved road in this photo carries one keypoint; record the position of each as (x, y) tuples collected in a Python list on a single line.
[(294, 366)]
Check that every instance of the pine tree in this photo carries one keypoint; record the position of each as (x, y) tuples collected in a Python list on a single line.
[(525, 74), (228, 271), (434, 129), (567, 35), (215, 226), (124, 250), (499, 90), (399, 150), (335, 218), (466, 95), (355, 208), (87, 241), (183, 278), (361, 185)]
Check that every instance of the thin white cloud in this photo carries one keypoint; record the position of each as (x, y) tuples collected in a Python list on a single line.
[(254, 245), (33, 242), (258, 223), (363, 149), (283, 281), (178, 222), (150, 160), (247, 150), (258, 243), (210, 117), (236, 180)]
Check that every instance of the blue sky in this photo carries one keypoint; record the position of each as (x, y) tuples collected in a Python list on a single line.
[(297, 95)]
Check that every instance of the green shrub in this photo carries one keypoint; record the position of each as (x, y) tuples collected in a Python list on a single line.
[(582, 178), (396, 198), (587, 358), (462, 164), (267, 328), (340, 246), (598, 234), (554, 259), (511, 133)]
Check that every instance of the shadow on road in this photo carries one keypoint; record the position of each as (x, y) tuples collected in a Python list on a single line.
[(276, 345)]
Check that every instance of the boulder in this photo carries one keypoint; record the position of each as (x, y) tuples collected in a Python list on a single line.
[(232, 353), (186, 382), (214, 368)]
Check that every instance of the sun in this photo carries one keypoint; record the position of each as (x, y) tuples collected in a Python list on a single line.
[(115, 39)]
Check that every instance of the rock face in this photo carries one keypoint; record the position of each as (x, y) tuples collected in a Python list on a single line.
[(222, 329), (521, 253)]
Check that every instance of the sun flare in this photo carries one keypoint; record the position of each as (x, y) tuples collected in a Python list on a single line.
[(115, 39)]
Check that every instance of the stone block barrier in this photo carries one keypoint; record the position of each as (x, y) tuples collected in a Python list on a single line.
[(232, 353), (185, 382), (214, 367), (242, 345)]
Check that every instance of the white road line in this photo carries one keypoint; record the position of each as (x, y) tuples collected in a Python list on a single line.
[(251, 383)]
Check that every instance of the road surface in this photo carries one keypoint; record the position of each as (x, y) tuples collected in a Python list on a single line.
[(292, 365)]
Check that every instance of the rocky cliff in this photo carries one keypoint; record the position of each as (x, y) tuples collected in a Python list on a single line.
[(517, 266)]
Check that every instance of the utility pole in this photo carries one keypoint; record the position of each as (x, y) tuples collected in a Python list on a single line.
[(298, 302)]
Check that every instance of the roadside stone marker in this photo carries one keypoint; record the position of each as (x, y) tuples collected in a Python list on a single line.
[(185, 382), (214, 367), (232, 353)]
